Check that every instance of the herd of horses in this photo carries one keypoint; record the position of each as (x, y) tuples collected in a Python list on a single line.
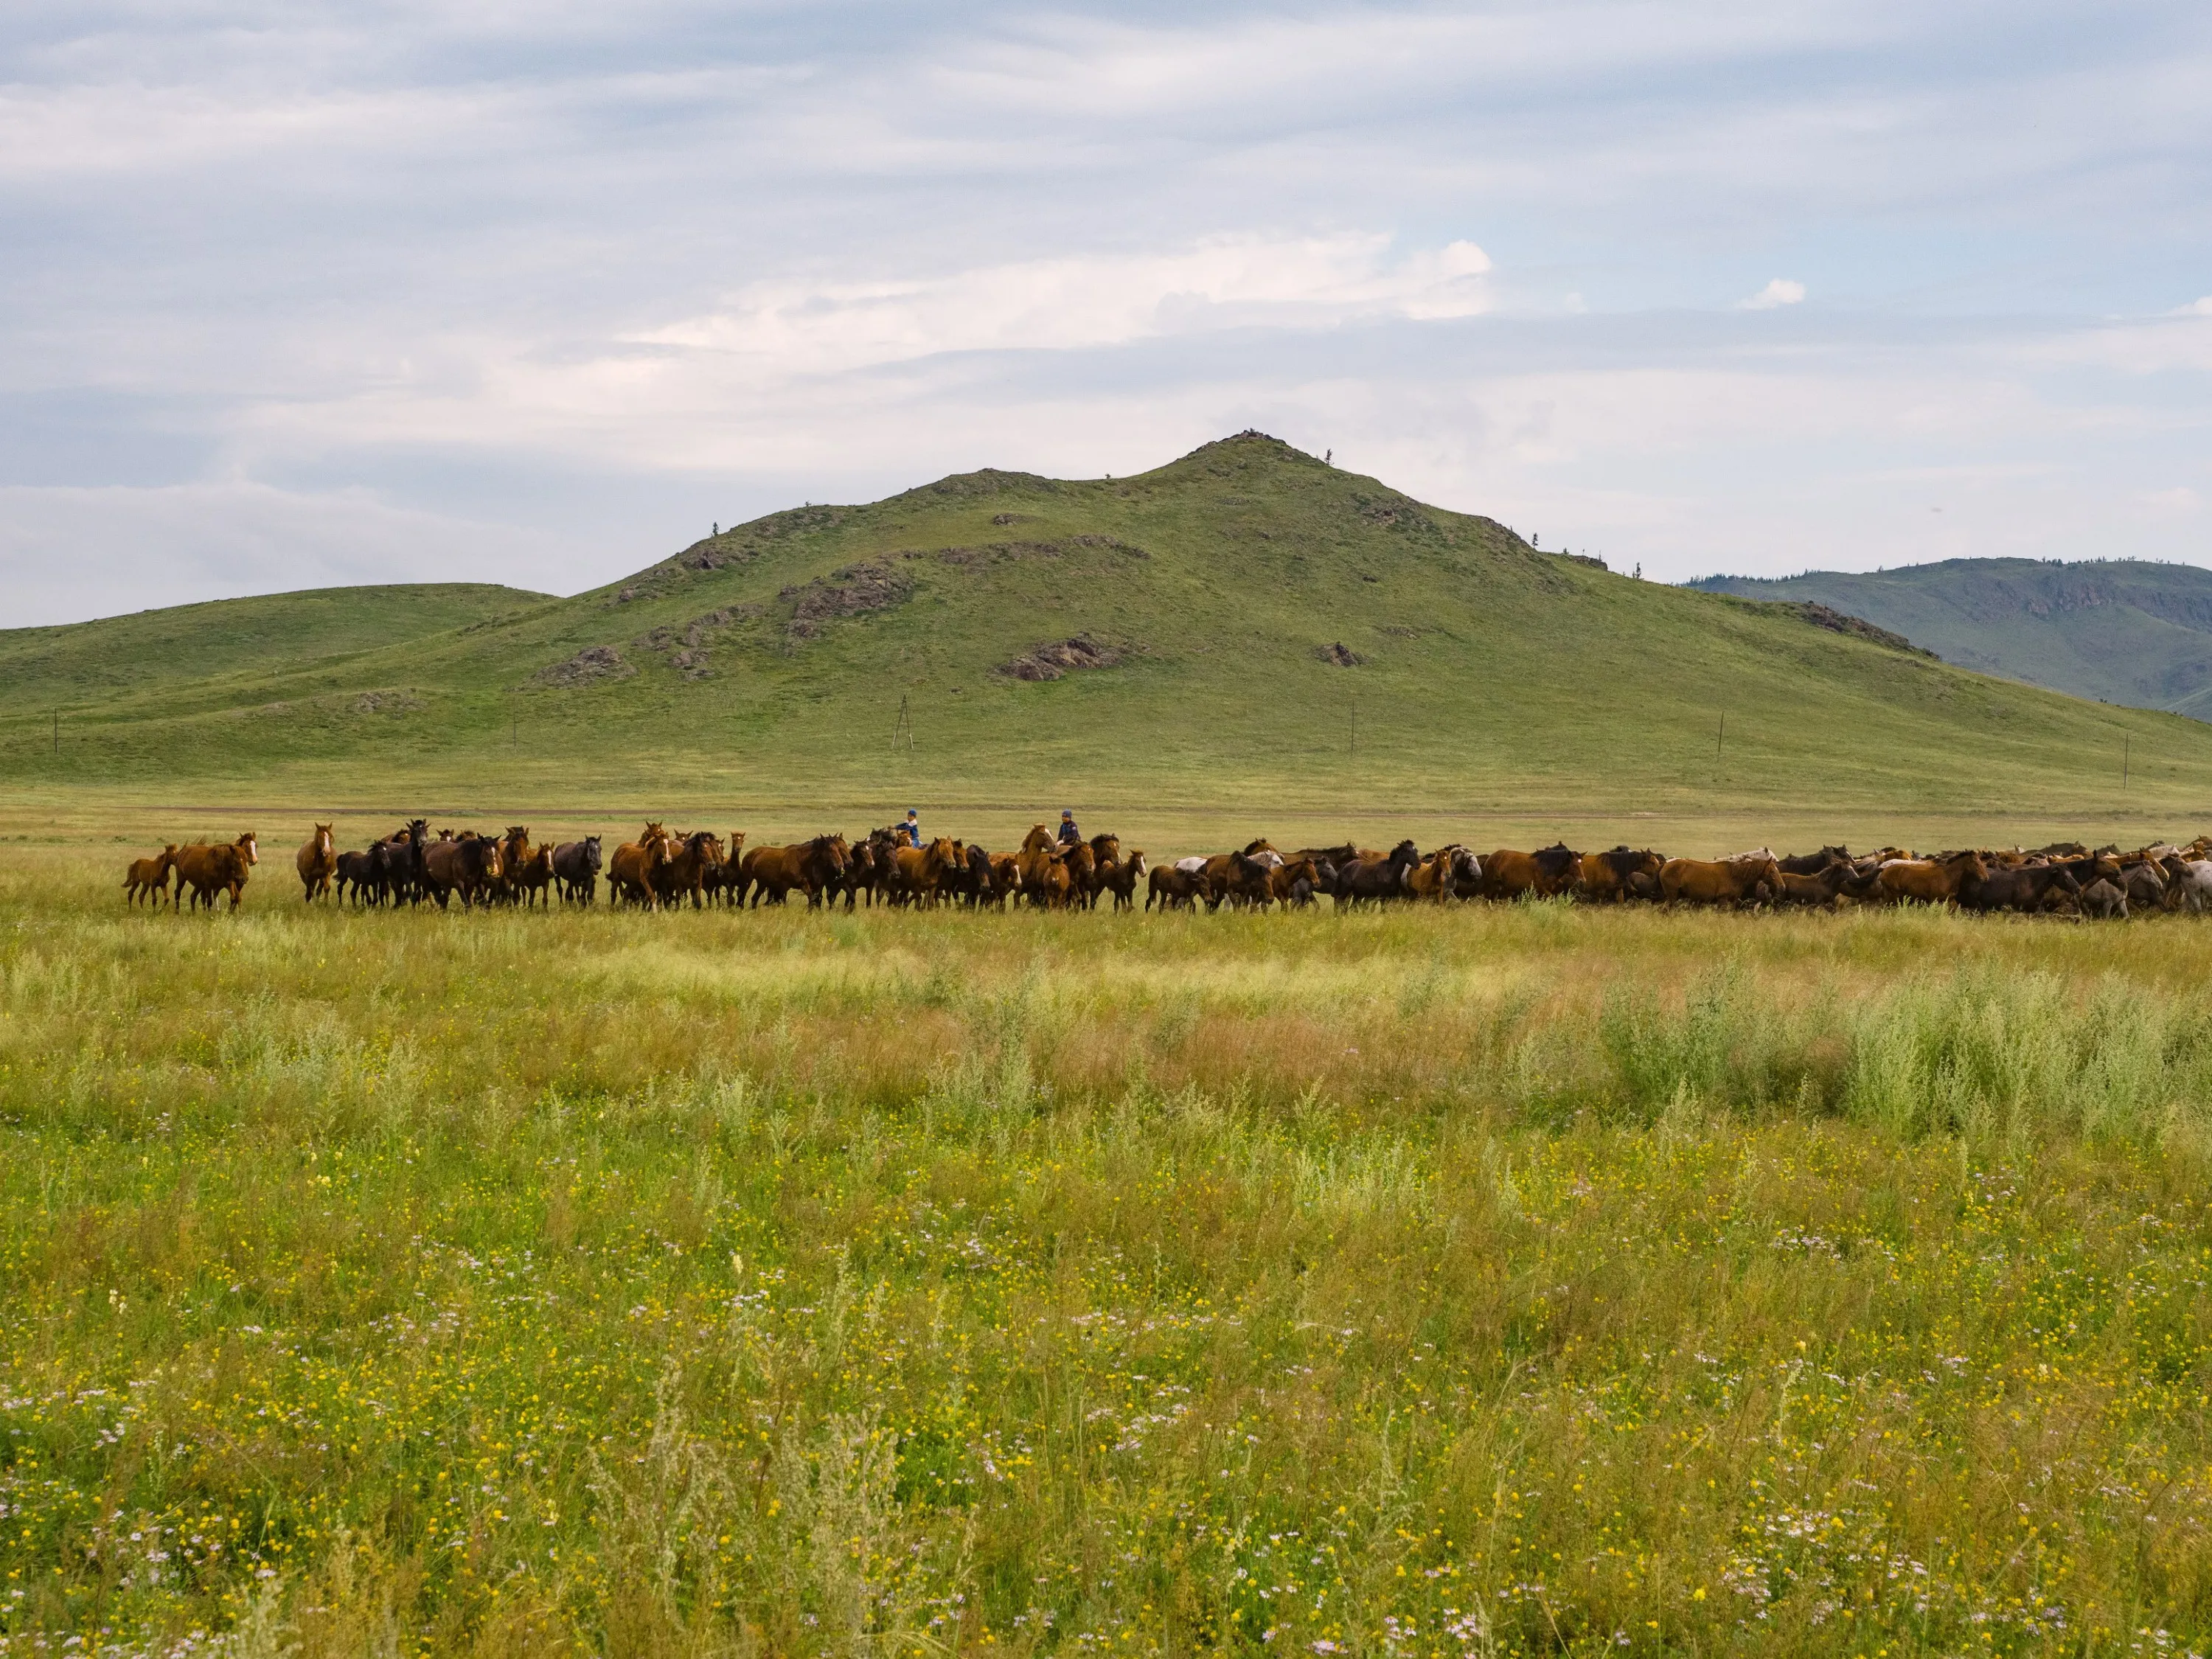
[(664, 868)]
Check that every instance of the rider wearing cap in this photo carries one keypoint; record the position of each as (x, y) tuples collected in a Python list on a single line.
[(1069, 835), (912, 828)]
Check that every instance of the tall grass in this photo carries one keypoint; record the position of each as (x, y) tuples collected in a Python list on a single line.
[(1460, 1284)]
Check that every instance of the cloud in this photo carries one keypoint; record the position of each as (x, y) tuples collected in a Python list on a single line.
[(2197, 308), (794, 328), (549, 287), (1780, 292), (2179, 500)]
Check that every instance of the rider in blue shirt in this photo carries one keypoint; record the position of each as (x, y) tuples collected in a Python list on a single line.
[(912, 828), (1069, 835)]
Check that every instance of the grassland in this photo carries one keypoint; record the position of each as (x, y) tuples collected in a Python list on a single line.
[(1514, 1280), (772, 663)]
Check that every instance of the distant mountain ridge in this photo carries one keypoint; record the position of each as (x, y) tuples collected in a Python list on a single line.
[(2119, 630)]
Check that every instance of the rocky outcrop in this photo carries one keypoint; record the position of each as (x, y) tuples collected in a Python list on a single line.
[(592, 664), (1061, 657)]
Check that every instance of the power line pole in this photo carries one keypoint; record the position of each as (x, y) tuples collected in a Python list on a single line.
[(57, 732), (904, 727), (1722, 738), (1355, 728), (2126, 740)]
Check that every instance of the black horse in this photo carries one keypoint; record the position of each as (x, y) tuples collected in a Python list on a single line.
[(576, 867), (396, 863), (1379, 880)]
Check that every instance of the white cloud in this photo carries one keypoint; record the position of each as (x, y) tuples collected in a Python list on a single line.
[(2182, 499), (666, 267), (1780, 292), (795, 328)]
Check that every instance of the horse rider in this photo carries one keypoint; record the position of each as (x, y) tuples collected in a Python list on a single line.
[(911, 829), (1069, 835)]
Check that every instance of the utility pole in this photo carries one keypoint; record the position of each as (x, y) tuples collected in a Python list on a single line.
[(1355, 728), (57, 732), (2126, 740), (1721, 737), (904, 727)]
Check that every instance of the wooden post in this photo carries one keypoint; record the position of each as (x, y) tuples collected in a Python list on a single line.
[(57, 732), (1355, 728), (1721, 737), (2127, 740)]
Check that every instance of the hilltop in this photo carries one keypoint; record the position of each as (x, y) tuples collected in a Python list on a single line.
[(1246, 624), (2116, 630)]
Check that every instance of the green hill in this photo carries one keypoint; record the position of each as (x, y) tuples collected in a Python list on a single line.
[(1246, 624), (233, 643), (2116, 630)]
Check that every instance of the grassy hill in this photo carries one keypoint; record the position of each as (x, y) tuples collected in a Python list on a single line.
[(222, 649), (2116, 630), (1245, 624)]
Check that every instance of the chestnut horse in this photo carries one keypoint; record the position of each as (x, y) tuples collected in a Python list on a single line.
[(212, 870), (149, 877), (631, 873), (317, 862)]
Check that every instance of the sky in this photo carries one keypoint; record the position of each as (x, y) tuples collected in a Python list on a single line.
[(300, 294)]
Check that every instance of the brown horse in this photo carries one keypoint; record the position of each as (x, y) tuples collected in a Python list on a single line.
[(1928, 881), (808, 866), (1622, 875), (1720, 881), (470, 866), (1082, 867), (532, 879), (1820, 889), (924, 874), (149, 877), (317, 862), (212, 870), (1221, 879), (1105, 854), (723, 881), (1544, 873), (1121, 880), (1175, 888), (1035, 858), (697, 859), (631, 874), (515, 853)]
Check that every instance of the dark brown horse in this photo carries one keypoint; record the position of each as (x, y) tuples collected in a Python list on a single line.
[(697, 859), (469, 865), (808, 866), (1172, 887)]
